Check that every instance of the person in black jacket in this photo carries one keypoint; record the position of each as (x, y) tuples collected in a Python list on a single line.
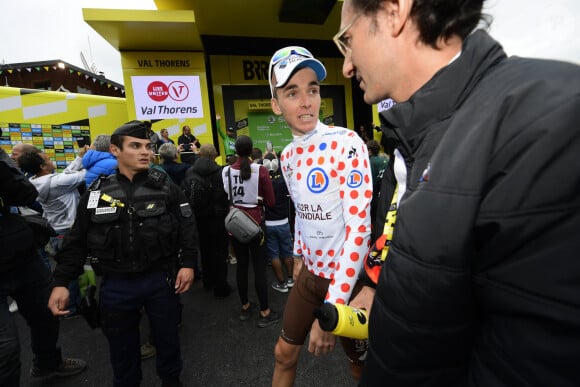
[(25, 278), (168, 155), (278, 234), (140, 235), (480, 282), (203, 183), (188, 145)]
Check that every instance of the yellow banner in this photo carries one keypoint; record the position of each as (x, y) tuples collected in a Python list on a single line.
[(263, 104)]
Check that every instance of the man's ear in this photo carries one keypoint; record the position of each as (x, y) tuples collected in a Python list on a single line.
[(275, 107), (114, 149), (45, 167), (398, 14)]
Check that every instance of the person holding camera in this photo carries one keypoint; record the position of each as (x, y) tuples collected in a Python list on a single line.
[(188, 145)]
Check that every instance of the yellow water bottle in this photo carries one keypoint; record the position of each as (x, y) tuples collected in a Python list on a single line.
[(343, 320)]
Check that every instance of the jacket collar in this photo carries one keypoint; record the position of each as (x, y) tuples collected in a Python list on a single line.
[(444, 93)]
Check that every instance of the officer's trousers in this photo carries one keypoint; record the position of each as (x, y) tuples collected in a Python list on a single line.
[(121, 301)]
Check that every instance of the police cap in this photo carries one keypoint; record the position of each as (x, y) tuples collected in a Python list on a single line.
[(134, 128)]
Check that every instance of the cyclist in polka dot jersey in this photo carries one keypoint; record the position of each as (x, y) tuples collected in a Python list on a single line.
[(328, 177), (328, 174)]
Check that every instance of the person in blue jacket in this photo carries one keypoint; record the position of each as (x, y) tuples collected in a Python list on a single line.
[(98, 160)]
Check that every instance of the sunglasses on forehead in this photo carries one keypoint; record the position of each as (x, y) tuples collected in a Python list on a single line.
[(287, 52), (283, 54)]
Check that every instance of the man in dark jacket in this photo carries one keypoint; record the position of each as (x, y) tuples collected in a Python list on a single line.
[(481, 282), (278, 233), (205, 178), (25, 278), (169, 155), (140, 234)]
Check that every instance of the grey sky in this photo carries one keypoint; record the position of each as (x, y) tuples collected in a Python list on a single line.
[(38, 30)]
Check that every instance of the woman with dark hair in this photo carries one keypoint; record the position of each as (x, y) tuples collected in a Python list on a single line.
[(250, 190)]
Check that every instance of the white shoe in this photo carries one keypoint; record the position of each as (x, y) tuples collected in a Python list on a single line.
[(280, 286), (13, 308)]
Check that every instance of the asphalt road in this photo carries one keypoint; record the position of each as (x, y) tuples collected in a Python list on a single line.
[(217, 348)]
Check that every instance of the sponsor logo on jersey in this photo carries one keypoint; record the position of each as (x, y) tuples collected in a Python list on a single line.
[(355, 179), (317, 180)]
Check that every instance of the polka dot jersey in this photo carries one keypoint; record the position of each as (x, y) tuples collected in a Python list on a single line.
[(329, 179)]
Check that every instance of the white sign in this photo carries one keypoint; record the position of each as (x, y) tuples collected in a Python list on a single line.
[(385, 104), (159, 97)]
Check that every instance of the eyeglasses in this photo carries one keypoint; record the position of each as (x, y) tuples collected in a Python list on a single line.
[(339, 40)]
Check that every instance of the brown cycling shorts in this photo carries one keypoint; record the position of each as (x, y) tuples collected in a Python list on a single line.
[(308, 294)]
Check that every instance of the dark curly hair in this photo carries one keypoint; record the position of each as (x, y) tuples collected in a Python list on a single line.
[(436, 18), (30, 161)]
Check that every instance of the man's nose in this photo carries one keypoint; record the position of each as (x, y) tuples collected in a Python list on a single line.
[(347, 67)]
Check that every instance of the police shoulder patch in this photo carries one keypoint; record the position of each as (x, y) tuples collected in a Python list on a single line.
[(185, 210), (156, 178)]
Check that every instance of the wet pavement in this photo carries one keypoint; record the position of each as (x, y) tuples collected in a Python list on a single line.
[(217, 348)]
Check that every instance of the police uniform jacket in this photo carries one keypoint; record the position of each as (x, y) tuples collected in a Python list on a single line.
[(126, 228)]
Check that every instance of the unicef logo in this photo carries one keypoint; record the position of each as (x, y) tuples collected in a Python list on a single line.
[(355, 179), (317, 180)]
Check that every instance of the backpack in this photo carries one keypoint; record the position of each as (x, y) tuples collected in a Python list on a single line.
[(201, 196)]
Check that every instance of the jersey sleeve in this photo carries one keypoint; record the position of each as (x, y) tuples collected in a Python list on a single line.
[(355, 172)]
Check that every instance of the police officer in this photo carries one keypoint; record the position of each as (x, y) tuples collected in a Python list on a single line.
[(139, 233)]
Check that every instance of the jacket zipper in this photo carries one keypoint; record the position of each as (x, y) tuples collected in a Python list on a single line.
[(130, 212)]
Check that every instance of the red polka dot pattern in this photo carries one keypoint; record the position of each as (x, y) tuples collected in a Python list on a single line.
[(332, 222)]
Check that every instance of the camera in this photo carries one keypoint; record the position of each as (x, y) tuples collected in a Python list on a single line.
[(82, 141)]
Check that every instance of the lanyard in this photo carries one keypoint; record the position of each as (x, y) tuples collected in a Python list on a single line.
[(390, 220), (379, 250)]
